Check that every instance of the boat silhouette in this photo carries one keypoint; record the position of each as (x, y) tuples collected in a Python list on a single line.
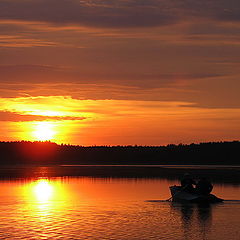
[(179, 195)]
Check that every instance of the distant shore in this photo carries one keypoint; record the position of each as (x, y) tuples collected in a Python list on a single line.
[(48, 153)]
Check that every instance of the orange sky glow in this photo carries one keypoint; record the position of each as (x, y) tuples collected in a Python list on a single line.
[(126, 72)]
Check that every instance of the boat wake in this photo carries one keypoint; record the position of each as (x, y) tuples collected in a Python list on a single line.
[(226, 201), (156, 201)]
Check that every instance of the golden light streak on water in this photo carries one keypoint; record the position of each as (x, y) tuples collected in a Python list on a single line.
[(43, 190)]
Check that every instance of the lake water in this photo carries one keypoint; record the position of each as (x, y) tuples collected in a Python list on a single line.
[(111, 208)]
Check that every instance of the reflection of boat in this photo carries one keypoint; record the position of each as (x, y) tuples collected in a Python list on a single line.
[(196, 219), (178, 195)]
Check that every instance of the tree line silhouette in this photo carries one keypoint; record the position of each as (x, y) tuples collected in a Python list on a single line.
[(49, 153)]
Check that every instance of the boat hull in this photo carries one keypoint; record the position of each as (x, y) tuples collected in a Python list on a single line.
[(178, 195)]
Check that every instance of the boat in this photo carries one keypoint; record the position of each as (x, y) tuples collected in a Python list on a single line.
[(179, 195)]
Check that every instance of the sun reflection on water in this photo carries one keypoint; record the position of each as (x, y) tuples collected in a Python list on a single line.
[(43, 190), (44, 198)]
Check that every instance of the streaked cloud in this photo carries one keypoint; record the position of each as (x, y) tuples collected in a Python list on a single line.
[(204, 89), (21, 117), (58, 74), (18, 41)]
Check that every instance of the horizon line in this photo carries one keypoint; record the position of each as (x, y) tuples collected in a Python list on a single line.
[(134, 145)]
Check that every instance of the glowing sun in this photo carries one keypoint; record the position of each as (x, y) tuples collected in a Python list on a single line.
[(44, 131)]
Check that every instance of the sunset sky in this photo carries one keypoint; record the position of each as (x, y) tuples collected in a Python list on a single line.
[(120, 72)]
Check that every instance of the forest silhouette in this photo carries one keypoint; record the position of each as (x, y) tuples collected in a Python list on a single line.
[(49, 153)]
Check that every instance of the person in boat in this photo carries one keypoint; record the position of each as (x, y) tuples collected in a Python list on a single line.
[(203, 186), (187, 183)]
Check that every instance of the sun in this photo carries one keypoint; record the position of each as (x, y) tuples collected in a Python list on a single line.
[(44, 131)]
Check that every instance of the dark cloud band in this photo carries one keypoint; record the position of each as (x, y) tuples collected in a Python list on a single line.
[(122, 13)]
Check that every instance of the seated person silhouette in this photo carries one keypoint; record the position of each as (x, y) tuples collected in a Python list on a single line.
[(204, 187), (187, 183)]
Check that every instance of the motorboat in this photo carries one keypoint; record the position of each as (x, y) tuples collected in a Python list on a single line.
[(179, 195)]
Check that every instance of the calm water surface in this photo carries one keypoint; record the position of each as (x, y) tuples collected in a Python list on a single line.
[(92, 208)]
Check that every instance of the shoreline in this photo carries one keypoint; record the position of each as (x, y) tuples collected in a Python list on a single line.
[(224, 175)]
